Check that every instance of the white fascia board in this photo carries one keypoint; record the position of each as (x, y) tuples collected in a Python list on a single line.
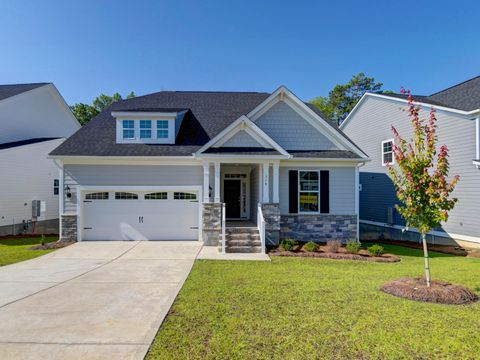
[(467, 114), (240, 159), (322, 125), (128, 160), (242, 123), (143, 114)]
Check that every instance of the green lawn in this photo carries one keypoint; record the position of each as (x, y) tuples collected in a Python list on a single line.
[(318, 308), (15, 250)]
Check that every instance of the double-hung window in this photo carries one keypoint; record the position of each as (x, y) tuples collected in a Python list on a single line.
[(145, 129), (128, 129), (162, 129), (387, 152), (308, 191)]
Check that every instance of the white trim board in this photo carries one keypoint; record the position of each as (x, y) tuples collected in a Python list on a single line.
[(474, 239)]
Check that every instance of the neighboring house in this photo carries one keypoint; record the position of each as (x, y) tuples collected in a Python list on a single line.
[(160, 166), (34, 119), (369, 125)]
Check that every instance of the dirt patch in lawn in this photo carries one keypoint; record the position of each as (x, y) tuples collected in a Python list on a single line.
[(440, 292), (341, 254), (52, 245)]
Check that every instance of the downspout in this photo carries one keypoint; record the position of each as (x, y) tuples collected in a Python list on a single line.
[(477, 137)]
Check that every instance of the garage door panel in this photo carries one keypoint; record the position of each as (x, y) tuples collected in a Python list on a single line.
[(156, 219)]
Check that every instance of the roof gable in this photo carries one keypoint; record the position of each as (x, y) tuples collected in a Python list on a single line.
[(9, 90)]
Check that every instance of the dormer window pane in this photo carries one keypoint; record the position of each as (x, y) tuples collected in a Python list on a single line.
[(145, 129), (162, 129), (128, 129)]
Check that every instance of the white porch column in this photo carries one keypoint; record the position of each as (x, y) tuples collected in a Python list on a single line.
[(276, 175), (206, 182), (265, 182), (217, 181)]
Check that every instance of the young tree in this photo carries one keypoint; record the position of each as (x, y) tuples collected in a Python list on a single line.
[(341, 100), (420, 177), (85, 112)]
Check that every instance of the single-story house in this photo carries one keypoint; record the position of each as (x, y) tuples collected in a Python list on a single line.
[(34, 120), (245, 167), (370, 126)]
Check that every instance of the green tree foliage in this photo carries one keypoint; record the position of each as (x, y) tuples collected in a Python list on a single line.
[(85, 112), (341, 100), (421, 176)]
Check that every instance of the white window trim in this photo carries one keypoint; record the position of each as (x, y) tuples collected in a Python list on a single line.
[(136, 129), (383, 153), (122, 129), (299, 191), (146, 129)]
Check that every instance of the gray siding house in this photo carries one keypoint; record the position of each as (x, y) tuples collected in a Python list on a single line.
[(234, 170), (369, 126)]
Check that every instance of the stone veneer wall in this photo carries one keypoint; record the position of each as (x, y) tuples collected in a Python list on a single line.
[(69, 228), (319, 227), (212, 223), (271, 214)]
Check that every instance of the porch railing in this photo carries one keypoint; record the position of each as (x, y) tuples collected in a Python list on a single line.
[(224, 240), (261, 226)]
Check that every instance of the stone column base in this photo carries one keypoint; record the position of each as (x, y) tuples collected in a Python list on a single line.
[(212, 223), (271, 214), (69, 228)]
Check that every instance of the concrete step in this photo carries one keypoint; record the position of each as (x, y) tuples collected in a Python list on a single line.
[(243, 243), (241, 230), (242, 236), (243, 249)]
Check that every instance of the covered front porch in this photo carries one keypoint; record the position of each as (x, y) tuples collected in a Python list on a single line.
[(239, 196)]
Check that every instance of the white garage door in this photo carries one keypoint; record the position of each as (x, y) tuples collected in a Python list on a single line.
[(144, 215)]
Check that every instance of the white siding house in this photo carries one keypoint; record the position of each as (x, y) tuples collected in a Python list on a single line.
[(34, 120)]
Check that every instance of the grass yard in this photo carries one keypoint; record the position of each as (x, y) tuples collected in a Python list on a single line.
[(296, 308), (17, 249)]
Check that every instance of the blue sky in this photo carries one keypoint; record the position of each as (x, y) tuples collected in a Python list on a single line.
[(90, 47)]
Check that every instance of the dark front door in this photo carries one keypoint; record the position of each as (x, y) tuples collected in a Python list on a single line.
[(231, 196)]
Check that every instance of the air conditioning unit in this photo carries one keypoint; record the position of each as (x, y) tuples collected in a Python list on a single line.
[(390, 215)]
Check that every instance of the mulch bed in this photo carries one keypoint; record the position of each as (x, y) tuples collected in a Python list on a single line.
[(52, 245), (341, 254), (440, 292), (21, 236)]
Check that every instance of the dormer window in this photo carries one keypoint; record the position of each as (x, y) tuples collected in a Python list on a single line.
[(146, 129), (128, 129), (162, 129), (142, 127)]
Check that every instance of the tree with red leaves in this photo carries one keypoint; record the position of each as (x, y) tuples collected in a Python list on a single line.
[(421, 176)]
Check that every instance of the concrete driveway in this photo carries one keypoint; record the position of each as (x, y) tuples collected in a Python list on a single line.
[(91, 300)]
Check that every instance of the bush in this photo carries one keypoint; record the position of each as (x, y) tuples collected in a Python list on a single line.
[(333, 246), (311, 246), (376, 250), (353, 247), (288, 244)]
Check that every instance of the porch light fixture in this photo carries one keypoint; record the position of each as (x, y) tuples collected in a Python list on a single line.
[(68, 193)]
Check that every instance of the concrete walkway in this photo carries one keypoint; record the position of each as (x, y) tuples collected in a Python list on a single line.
[(91, 300)]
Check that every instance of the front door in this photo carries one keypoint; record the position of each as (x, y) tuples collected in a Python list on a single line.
[(231, 197)]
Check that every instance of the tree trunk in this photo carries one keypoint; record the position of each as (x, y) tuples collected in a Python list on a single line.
[(427, 261)]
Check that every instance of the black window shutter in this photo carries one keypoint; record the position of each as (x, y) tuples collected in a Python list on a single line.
[(293, 191), (324, 191)]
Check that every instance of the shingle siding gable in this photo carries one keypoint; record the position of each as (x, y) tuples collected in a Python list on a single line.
[(291, 131)]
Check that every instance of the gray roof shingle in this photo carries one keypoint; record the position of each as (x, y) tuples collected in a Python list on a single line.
[(207, 114), (10, 90), (463, 96)]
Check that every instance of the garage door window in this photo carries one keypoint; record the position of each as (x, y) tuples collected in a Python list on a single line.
[(97, 196), (184, 196), (156, 196), (126, 196)]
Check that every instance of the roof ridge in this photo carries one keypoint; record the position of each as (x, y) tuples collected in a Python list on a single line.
[(451, 87)]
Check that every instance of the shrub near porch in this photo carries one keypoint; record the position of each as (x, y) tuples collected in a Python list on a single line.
[(317, 308)]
